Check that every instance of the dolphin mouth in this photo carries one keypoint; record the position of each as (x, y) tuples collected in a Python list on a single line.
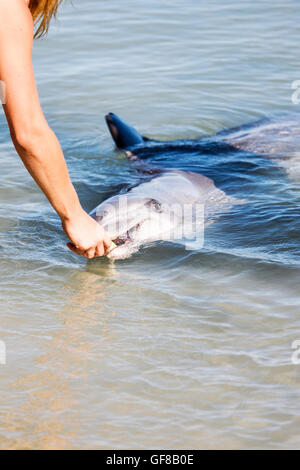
[(122, 241), (124, 247)]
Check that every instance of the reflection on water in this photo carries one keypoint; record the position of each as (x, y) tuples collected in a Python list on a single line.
[(51, 392), (170, 348)]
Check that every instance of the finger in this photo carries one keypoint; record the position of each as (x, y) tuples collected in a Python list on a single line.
[(71, 246), (75, 249), (111, 248), (107, 242), (100, 251), (90, 254)]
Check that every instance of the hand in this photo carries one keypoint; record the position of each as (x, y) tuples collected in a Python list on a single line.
[(88, 238)]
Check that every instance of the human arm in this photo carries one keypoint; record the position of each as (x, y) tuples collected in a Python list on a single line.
[(34, 141)]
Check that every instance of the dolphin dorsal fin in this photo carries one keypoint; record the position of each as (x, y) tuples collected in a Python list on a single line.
[(124, 136)]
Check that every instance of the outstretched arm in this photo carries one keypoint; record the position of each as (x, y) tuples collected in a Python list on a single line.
[(34, 141)]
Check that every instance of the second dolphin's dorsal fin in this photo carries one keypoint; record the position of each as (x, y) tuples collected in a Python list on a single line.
[(124, 136)]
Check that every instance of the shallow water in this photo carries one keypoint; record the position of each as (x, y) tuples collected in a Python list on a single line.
[(172, 348)]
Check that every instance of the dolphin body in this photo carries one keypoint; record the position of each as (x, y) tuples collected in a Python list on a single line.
[(171, 205)]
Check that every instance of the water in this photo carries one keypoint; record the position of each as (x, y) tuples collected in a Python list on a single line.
[(171, 348)]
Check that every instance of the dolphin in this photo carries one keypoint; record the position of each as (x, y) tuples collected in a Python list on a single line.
[(168, 205)]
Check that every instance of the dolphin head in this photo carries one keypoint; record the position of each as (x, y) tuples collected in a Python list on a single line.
[(124, 136), (133, 221)]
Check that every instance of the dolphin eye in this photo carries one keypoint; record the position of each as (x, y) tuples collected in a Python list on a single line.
[(154, 204)]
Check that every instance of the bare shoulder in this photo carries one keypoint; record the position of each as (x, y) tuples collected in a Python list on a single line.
[(15, 14)]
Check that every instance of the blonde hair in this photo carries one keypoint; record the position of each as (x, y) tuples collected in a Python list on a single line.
[(42, 11)]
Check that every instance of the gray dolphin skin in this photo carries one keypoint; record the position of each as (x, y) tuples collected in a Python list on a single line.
[(274, 137), (170, 205)]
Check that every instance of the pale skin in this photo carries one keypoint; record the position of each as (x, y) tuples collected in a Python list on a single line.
[(33, 139)]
